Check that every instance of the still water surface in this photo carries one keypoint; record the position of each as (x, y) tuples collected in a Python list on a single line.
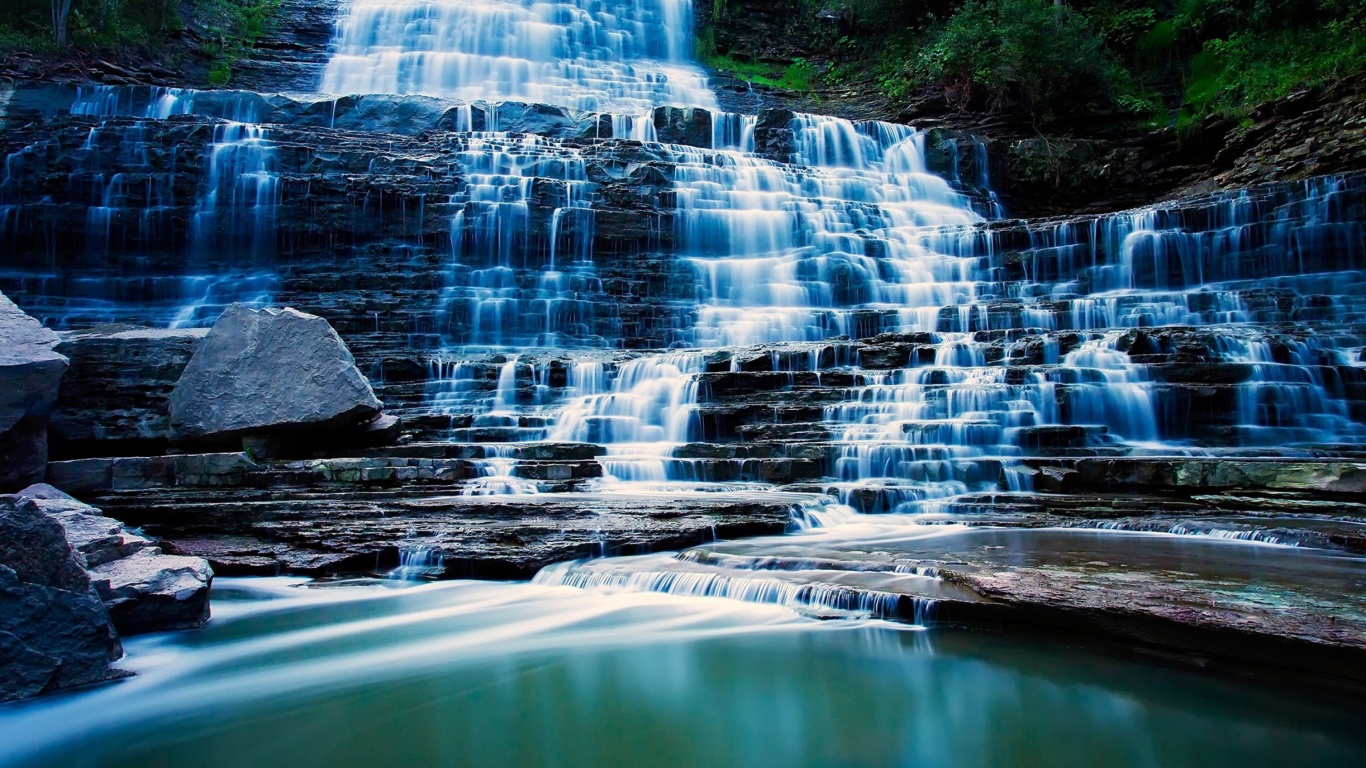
[(480, 674)]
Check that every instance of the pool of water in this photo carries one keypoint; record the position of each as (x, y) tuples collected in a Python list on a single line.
[(482, 674)]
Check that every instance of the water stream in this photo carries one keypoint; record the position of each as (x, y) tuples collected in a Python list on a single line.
[(467, 673)]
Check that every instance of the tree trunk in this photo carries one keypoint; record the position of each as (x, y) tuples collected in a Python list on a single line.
[(61, 11)]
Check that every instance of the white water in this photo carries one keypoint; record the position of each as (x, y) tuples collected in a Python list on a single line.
[(853, 237), (593, 56)]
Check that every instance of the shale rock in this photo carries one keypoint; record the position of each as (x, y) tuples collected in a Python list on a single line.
[(54, 630), (114, 398), (30, 373), (143, 589), (269, 371)]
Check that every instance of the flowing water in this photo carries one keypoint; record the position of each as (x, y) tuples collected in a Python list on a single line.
[(786, 276), (469, 673)]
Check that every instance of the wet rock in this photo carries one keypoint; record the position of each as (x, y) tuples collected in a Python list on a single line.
[(773, 135), (54, 630), (96, 539), (498, 537), (153, 592), (1216, 604), (30, 374), (1181, 475), (143, 589), (684, 125), (269, 371), (114, 397)]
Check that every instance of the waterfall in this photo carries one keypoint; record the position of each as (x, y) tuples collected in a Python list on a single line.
[(781, 300), (587, 55)]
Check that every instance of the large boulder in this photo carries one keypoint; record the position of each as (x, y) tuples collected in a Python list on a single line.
[(114, 398), (55, 631), (267, 372), (143, 589), (30, 373)]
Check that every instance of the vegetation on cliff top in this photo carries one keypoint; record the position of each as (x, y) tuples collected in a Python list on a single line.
[(1158, 61), (224, 30)]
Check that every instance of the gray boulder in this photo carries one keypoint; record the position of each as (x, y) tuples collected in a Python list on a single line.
[(269, 371), (153, 592), (55, 631), (30, 374), (143, 589)]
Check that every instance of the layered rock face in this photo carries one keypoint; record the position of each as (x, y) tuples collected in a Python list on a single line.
[(871, 328), (114, 398), (30, 373)]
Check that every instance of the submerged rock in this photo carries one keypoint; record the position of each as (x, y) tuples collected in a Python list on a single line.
[(269, 371), (30, 373), (54, 630)]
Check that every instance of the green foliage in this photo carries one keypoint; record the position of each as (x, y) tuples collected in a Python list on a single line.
[(1129, 57), (800, 75), (1042, 52), (1119, 25), (1249, 67), (229, 28)]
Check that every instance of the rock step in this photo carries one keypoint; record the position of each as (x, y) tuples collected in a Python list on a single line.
[(103, 475), (478, 536), (1183, 475)]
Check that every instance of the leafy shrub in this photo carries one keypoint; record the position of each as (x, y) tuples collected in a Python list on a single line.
[(229, 28), (1033, 49), (1248, 68)]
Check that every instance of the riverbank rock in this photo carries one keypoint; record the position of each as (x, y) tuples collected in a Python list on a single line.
[(143, 589), (30, 373), (272, 371), (54, 630)]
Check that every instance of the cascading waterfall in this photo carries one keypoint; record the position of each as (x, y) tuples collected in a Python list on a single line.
[(234, 215), (1020, 340), (592, 56), (487, 303), (649, 411)]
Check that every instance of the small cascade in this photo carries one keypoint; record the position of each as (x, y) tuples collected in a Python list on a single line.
[(1291, 395), (970, 169), (496, 474), (648, 411), (237, 211), (1105, 388), (418, 561), (127, 177), (733, 131), (843, 247), (134, 205), (509, 284), (684, 575), (491, 399)]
